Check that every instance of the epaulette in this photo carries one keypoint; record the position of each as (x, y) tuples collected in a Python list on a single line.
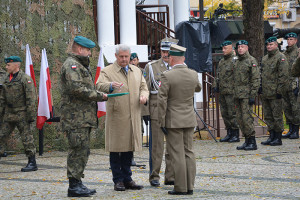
[(152, 62)]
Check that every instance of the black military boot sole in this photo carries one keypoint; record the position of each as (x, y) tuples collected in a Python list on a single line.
[(26, 169), (74, 194)]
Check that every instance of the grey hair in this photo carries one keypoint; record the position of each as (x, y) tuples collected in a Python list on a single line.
[(122, 47)]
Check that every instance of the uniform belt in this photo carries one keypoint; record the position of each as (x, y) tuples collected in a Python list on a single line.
[(153, 92)]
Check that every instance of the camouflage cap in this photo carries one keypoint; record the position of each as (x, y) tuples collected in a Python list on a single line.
[(83, 41), (12, 59), (241, 42), (133, 56), (271, 39), (165, 43), (226, 43), (176, 50), (290, 35)]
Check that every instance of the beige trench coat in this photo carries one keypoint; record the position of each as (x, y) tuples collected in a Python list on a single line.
[(123, 113)]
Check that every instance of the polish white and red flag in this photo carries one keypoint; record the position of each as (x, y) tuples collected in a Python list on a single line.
[(29, 65), (45, 97), (101, 105)]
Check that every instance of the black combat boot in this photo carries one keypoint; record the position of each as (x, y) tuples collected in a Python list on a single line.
[(227, 137), (270, 139), (235, 136), (251, 144), (295, 134), (243, 145), (76, 190), (31, 165), (291, 129), (277, 139), (92, 191)]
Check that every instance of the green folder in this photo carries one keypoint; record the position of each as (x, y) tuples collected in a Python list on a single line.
[(117, 94)]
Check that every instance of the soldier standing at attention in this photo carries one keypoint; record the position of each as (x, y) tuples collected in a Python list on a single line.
[(177, 119), (275, 83), (153, 71), (291, 106), (223, 84), (246, 84), (18, 109), (79, 99)]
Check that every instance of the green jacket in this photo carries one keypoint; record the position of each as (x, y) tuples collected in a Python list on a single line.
[(274, 74), (18, 99), (224, 77), (246, 77), (78, 94), (291, 54)]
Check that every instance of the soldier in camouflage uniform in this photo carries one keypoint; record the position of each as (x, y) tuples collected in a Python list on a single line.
[(246, 84), (223, 84), (291, 106), (2, 77), (78, 112), (18, 109), (153, 71), (274, 79), (295, 71)]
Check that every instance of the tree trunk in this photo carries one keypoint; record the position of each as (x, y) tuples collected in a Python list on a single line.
[(254, 26)]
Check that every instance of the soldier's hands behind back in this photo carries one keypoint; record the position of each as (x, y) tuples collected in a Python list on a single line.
[(296, 91), (146, 119), (251, 101)]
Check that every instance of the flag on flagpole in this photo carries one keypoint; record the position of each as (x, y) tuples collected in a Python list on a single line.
[(101, 105), (45, 97), (29, 66)]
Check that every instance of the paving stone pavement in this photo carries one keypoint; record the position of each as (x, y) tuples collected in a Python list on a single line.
[(222, 173)]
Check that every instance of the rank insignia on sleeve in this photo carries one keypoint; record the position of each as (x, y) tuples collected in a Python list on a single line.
[(74, 67)]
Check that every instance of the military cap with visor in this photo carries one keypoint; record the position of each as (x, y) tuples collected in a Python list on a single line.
[(290, 35), (12, 59), (176, 50), (133, 56), (241, 42), (271, 39), (226, 43), (85, 42), (165, 43)]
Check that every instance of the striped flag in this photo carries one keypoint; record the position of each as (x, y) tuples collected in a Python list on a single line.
[(101, 105), (29, 66), (45, 97)]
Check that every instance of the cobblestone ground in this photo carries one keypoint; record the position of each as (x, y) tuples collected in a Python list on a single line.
[(222, 173)]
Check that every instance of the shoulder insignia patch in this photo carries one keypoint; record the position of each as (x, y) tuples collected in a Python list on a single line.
[(29, 81), (253, 65), (282, 59), (73, 66)]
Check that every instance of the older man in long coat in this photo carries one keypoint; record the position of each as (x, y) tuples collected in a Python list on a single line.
[(123, 115)]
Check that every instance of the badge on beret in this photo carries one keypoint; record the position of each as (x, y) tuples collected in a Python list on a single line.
[(133, 56), (74, 67), (12, 59), (241, 42), (271, 39), (226, 43), (290, 35)]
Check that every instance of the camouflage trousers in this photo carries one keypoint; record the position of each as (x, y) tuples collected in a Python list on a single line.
[(291, 108), (79, 151), (272, 109), (244, 117), (228, 111), (25, 130)]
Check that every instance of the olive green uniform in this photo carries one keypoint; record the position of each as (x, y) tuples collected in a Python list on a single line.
[(291, 106), (224, 81), (18, 109), (274, 81), (78, 111), (246, 84)]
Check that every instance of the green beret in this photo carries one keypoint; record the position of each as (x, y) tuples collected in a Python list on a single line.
[(83, 41), (12, 59), (241, 42), (271, 39), (226, 43), (133, 56), (290, 35)]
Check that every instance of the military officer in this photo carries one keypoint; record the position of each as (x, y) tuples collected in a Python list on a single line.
[(275, 84), (79, 112), (223, 84), (246, 84), (18, 109), (291, 106), (153, 72), (177, 118)]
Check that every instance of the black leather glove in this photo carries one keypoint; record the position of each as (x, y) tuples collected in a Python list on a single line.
[(216, 90), (260, 90), (278, 96), (251, 101), (296, 91), (164, 130), (146, 119)]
